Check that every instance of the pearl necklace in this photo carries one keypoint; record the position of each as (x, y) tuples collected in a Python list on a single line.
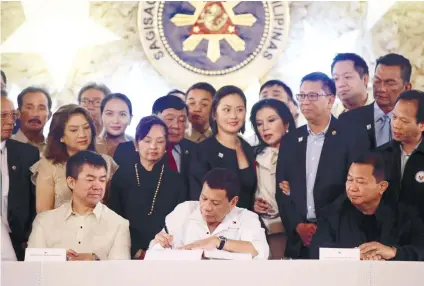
[(157, 187)]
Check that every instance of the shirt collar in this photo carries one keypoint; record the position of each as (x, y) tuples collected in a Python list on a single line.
[(404, 153), (368, 101), (268, 157), (3, 145), (195, 135), (378, 113), (231, 216), (97, 211), (322, 132), (20, 136)]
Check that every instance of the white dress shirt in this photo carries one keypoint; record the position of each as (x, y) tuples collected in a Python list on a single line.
[(7, 251), (102, 232), (176, 152), (4, 184), (187, 225)]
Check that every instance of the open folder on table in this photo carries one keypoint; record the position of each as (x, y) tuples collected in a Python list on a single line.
[(175, 254)]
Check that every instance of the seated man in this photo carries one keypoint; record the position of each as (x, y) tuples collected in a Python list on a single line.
[(380, 230), (214, 222), (84, 226)]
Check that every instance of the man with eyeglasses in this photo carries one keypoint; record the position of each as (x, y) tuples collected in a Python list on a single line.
[(392, 77), (90, 97), (34, 105), (312, 163), (17, 199)]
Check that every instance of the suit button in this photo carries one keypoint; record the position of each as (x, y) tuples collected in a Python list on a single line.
[(79, 242)]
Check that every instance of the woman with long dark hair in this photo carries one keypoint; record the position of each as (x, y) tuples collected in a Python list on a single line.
[(271, 120), (226, 149), (71, 130)]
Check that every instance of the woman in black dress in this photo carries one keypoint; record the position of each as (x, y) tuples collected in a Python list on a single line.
[(146, 192), (226, 149)]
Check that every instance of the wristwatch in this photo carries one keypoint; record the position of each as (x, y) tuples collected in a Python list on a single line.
[(223, 240)]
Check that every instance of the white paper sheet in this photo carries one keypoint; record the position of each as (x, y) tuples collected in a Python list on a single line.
[(173, 254), (339, 254), (45, 254), (225, 255)]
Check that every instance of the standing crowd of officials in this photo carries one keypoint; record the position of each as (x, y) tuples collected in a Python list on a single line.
[(352, 176)]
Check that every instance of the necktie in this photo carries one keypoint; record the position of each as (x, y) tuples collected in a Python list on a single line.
[(171, 160), (384, 132)]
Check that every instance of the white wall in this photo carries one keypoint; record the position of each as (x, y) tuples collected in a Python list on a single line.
[(123, 66)]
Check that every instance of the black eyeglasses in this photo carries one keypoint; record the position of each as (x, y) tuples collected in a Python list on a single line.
[(95, 103), (313, 96)]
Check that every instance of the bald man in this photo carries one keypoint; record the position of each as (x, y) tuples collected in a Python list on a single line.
[(17, 200)]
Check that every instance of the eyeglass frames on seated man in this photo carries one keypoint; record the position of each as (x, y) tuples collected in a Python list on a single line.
[(313, 96)]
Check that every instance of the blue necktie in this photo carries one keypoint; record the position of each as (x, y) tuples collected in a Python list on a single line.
[(384, 130)]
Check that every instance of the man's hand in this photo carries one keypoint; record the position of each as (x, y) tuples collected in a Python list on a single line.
[(74, 256), (306, 231), (164, 239), (372, 250), (70, 254), (285, 187), (207, 243), (261, 206)]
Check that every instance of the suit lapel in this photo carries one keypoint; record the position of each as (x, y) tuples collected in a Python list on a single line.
[(13, 162), (370, 125), (330, 144), (15, 170), (301, 145)]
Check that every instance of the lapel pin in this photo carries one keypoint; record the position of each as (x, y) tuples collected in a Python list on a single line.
[(368, 126), (334, 132), (419, 177), (186, 151), (220, 155), (300, 139), (14, 168)]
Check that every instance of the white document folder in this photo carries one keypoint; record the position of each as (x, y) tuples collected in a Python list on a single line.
[(225, 255), (173, 254), (339, 254), (45, 254)]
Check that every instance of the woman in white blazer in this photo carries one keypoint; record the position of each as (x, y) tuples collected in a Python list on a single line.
[(271, 120)]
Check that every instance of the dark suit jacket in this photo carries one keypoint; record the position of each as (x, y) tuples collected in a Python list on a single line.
[(364, 118), (134, 202), (339, 149), (211, 154), (126, 152), (399, 227), (408, 189), (21, 200)]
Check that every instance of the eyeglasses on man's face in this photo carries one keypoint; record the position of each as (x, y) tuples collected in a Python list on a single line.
[(95, 102), (312, 96), (14, 115)]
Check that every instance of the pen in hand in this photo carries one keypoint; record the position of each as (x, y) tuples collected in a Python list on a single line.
[(167, 232)]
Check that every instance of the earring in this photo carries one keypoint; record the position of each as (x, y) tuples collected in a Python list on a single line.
[(61, 140)]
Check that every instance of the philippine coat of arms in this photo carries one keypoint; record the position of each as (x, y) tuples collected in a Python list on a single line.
[(221, 42)]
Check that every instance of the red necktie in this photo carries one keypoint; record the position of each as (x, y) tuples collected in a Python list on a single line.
[(171, 160)]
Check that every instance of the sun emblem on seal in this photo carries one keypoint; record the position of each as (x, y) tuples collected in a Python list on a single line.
[(214, 21)]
